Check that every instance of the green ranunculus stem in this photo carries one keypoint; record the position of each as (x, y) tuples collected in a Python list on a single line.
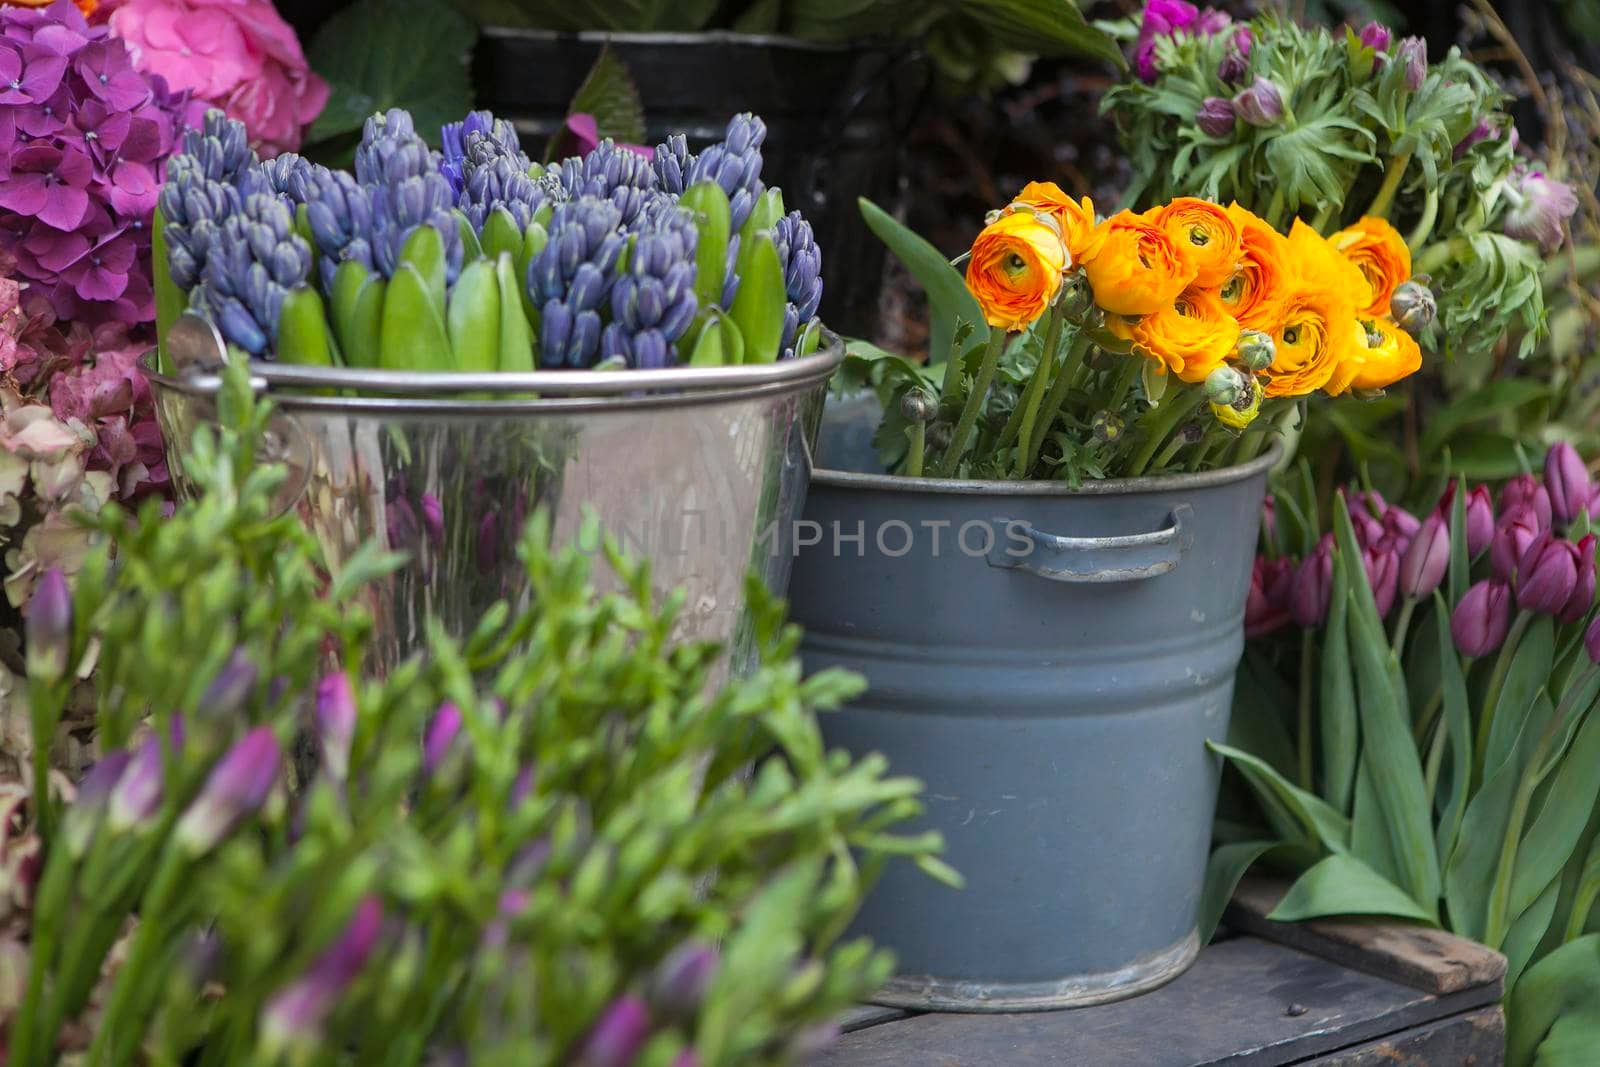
[(1402, 624), (1028, 404), (1491, 695), (1303, 720), (917, 436), (1053, 402), (1424, 228), (975, 399), (1161, 423), (1392, 176)]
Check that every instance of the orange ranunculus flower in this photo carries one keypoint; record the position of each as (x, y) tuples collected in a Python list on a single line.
[(1206, 238), (1134, 269), (1380, 253), (1191, 337), (1076, 218), (1318, 331), (88, 7), (1255, 294), (1383, 354), (1015, 269)]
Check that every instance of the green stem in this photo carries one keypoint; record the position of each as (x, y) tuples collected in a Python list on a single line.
[(1057, 397), (1392, 176), (45, 701), (1491, 695), (1303, 741), (969, 411), (917, 434), (1401, 626), (1437, 255), (1323, 217), (1430, 214), (1036, 391), (1425, 720), (132, 979), (1583, 901), (1166, 454), (1435, 761), (1165, 420), (1020, 415), (1275, 209)]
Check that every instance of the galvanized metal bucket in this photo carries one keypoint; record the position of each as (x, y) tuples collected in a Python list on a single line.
[(1050, 663), (702, 470)]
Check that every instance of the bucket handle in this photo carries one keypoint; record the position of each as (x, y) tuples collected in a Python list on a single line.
[(1127, 558)]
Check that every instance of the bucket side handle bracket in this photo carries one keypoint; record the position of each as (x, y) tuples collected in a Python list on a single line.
[(1125, 558)]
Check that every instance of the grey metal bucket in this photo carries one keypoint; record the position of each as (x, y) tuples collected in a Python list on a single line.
[(1050, 663), (701, 470)]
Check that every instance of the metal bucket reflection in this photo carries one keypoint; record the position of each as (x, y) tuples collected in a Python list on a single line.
[(702, 470)]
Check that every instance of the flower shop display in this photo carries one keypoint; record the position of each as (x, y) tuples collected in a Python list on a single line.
[(1047, 594), (1420, 731), (502, 853), (398, 315)]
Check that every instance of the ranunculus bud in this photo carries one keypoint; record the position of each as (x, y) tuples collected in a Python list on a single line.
[(1479, 623), (1591, 640), (916, 406), (1547, 574), (237, 786), (1412, 54), (1224, 385), (1426, 560), (1215, 117), (1483, 131), (1107, 426), (1539, 207), (619, 1034), (1413, 307), (1236, 58), (1255, 349), (49, 630), (1076, 298), (680, 981), (294, 1016), (1515, 534), (1261, 104), (1313, 582), (440, 736), (1525, 489), (1480, 520), (1567, 481), (336, 722), (1375, 35), (1582, 598), (1383, 575)]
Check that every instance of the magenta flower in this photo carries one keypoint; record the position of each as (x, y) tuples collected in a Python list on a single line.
[(237, 786), (1540, 207), (440, 736), (585, 133), (1480, 622), (618, 1035), (1567, 481), (1267, 607), (1375, 35), (1382, 564), (1236, 61), (1483, 131), (1313, 583), (1162, 18), (1516, 532), (294, 1016), (49, 184), (1261, 104), (1412, 54), (1525, 489), (102, 272), (336, 721), (29, 74), (45, 118), (106, 72), (1423, 566), (1547, 575), (1582, 597), (49, 629), (1480, 520)]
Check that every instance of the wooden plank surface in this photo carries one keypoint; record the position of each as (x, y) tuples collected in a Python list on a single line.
[(1430, 960), (1246, 1001), (1471, 1039)]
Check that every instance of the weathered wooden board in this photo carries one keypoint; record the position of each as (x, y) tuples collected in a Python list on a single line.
[(1246, 1001), (1430, 960), (1471, 1039)]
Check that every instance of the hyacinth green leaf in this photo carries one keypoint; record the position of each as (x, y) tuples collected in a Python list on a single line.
[(413, 334), (759, 307), (533, 241), (500, 234), (1343, 885), (303, 329), (471, 247), (810, 338), (516, 339), (949, 300), (1553, 1012), (474, 318), (366, 323), (424, 252), (710, 206), (170, 300), (764, 216), (707, 350)]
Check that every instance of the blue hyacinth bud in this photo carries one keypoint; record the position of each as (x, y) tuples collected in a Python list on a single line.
[(220, 147), (624, 177), (253, 260), (399, 208), (734, 163), (504, 184), (671, 163), (802, 275), (573, 275), (653, 302)]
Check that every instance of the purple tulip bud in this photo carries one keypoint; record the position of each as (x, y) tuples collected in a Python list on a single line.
[(1313, 583), (441, 735), (1480, 520), (433, 519), (49, 627), (1412, 55), (1582, 598), (294, 1015), (680, 981), (1376, 36), (1547, 574), (1400, 528), (225, 697), (336, 722), (1517, 531), (1261, 104), (1567, 481), (1540, 206), (1591, 640), (1368, 530), (618, 1035), (237, 786), (1525, 489), (1480, 622), (1426, 560), (137, 794), (1383, 575), (1215, 117)]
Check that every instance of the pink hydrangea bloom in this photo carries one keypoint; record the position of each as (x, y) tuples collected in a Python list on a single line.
[(237, 54)]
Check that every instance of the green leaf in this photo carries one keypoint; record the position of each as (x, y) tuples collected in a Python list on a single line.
[(516, 339), (1522, 940), (1548, 844), (424, 250), (474, 318), (1456, 720), (1500, 398), (1257, 725), (710, 206), (1553, 1013), (1529, 674), (1343, 885), (500, 234), (1226, 866), (1337, 708), (170, 300), (381, 54), (1293, 812), (357, 307), (303, 329), (948, 297), (413, 334), (758, 308), (609, 94)]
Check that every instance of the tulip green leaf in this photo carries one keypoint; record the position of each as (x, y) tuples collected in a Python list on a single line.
[(710, 206), (1226, 866), (949, 300), (303, 329), (413, 335), (1531, 663), (474, 318), (758, 309), (1553, 1012), (1343, 885), (516, 340), (1522, 940), (1369, 827), (1456, 722), (1555, 832), (1339, 722)]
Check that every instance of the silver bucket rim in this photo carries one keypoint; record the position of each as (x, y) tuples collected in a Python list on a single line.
[(1156, 483), (461, 393)]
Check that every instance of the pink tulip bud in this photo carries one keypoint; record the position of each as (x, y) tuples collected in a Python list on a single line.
[(336, 722), (237, 786), (1582, 598), (1525, 489), (1313, 582), (1383, 575), (1547, 574), (1480, 520), (1518, 529), (1567, 482), (1480, 622), (1426, 560), (1400, 527), (1267, 607)]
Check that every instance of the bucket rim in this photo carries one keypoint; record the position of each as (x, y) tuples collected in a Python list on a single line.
[(1157, 483), (458, 392)]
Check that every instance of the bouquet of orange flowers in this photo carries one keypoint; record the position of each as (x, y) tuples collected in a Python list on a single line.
[(1175, 339)]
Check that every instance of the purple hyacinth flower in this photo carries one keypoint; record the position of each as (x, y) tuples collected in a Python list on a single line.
[(336, 722), (294, 1015), (237, 786), (440, 736), (619, 1034)]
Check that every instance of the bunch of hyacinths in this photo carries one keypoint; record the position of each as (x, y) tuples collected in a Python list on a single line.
[(1441, 760), (480, 260), (503, 853)]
